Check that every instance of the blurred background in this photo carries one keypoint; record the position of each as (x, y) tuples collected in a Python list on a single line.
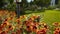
[(29, 4)]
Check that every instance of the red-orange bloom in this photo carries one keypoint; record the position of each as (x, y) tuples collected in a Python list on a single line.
[(57, 31), (42, 31)]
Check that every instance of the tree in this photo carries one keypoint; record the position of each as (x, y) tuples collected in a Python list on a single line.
[(1, 3), (42, 3), (58, 4), (10, 1), (57, 1)]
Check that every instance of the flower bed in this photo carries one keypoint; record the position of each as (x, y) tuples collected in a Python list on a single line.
[(10, 24)]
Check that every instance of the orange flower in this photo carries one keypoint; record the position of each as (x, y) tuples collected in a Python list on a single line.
[(21, 17), (10, 27), (45, 26), (10, 18), (28, 23), (42, 31), (24, 16), (29, 29), (30, 19), (17, 20), (34, 29), (6, 23), (55, 23)]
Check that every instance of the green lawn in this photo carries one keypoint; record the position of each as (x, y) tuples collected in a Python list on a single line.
[(49, 16)]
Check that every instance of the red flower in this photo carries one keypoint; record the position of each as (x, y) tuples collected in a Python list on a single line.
[(57, 31)]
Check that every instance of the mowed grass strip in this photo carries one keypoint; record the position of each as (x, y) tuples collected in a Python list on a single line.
[(51, 16), (48, 16)]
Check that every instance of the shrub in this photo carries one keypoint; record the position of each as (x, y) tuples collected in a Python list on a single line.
[(51, 7)]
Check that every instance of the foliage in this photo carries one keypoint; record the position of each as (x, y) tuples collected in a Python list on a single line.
[(1, 3), (51, 7), (10, 1), (11, 7), (42, 2), (58, 4)]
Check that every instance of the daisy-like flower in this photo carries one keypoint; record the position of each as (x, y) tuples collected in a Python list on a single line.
[(56, 24)]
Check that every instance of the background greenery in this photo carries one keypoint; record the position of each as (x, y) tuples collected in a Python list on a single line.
[(36, 5), (11, 5)]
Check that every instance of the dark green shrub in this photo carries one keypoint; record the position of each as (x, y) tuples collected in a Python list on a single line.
[(51, 7)]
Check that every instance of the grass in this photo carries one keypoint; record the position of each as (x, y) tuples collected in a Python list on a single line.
[(49, 16)]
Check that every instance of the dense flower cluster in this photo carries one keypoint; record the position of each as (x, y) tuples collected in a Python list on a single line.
[(10, 24)]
